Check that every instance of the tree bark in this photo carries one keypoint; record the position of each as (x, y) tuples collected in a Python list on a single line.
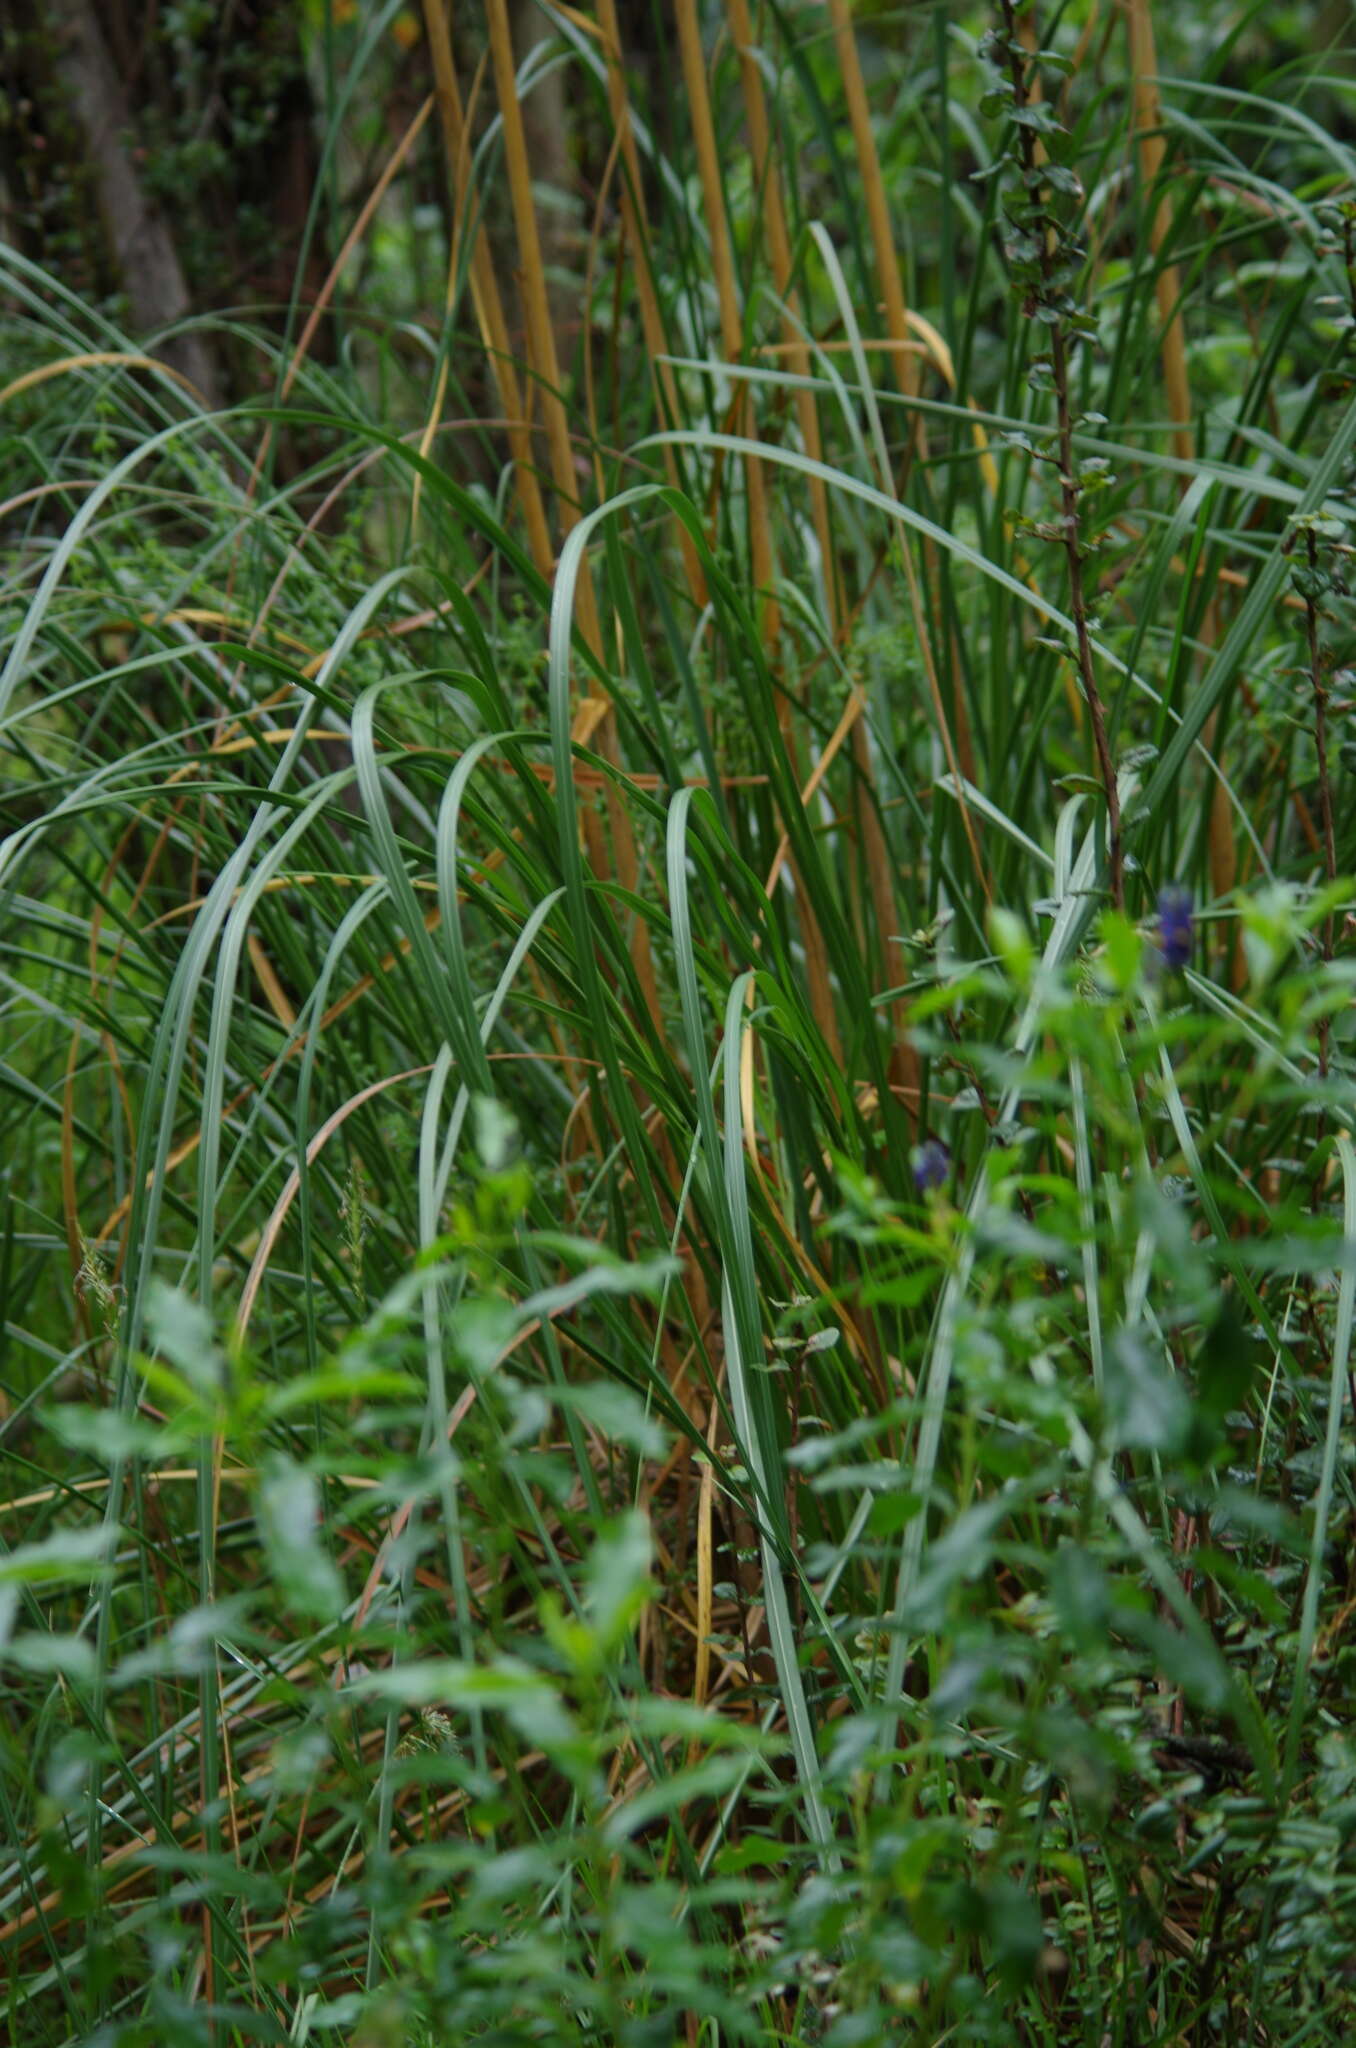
[(139, 239)]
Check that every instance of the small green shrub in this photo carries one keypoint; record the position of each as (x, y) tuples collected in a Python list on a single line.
[(676, 1118)]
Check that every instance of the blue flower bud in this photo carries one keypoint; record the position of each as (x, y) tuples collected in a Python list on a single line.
[(931, 1166), (1174, 925)]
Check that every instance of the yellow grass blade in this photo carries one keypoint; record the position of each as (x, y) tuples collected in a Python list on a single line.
[(95, 359)]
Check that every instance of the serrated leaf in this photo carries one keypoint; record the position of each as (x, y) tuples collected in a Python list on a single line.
[(1187, 1660), (617, 1579), (1080, 1596), (61, 1656), (495, 1132), (107, 1434), (1146, 1404), (618, 1412), (1227, 1361), (67, 1557), (287, 1514), (961, 1552), (708, 1779), (181, 1330)]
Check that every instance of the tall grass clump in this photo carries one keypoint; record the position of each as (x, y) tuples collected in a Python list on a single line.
[(678, 1193)]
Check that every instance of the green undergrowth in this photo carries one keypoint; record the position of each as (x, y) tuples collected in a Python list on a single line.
[(677, 1225)]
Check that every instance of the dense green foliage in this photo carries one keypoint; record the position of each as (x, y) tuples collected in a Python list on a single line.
[(677, 1188)]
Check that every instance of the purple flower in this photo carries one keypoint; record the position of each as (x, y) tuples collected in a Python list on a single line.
[(1174, 924), (931, 1166)]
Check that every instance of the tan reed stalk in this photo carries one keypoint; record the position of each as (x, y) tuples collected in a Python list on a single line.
[(484, 289), (877, 205), (454, 253), (635, 222), (961, 751), (722, 264), (874, 848), (542, 352), (760, 529), (541, 339), (1152, 151)]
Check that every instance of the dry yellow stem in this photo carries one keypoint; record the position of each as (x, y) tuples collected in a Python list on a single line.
[(874, 847), (906, 368), (1151, 150), (637, 227), (542, 348), (484, 289), (877, 206), (760, 526), (97, 359)]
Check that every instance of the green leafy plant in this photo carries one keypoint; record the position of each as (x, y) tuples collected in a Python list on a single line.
[(676, 1115)]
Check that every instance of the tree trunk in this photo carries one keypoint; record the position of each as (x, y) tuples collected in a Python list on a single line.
[(164, 157), (139, 240)]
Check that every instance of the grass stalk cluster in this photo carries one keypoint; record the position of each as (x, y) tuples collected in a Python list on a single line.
[(677, 1194)]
